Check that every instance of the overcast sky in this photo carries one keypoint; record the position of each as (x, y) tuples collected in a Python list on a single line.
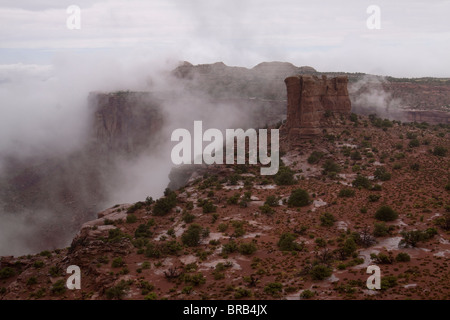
[(329, 35)]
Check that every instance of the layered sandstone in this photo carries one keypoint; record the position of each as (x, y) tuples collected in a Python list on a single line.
[(311, 101)]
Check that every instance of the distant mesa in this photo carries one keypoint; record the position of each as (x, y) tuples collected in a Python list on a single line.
[(312, 103)]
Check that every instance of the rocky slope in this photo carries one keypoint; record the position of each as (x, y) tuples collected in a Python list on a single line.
[(233, 234)]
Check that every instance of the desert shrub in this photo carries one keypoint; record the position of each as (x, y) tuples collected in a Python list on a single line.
[(118, 291), (287, 242), (361, 181), (414, 166), (444, 221), (380, 229), (7, 272), (388, 282), (59, 287), (209, 207), (131, 218), (386, 213), (247, 248), (45, 253), (38, 264), (374, 197), (222, 227), (348, 248), (327, 219), (440, 151), (272, 201), (315, 157), (188, 217), (414, 143), (117, 262), (151, 296), (346, 193), (164, 205), (382, 174), (320, 272), (137, 206), (402, 257), (266, 209), (31, 281), (330, 166), (242, 293), (382, 258), (273, 288), (412, 238), (195, 279), (355, 155), (143, 231), (307, 294), (234, 199), (229, 247), (192, 236), (298, 198), (376, 187), (284, 176)]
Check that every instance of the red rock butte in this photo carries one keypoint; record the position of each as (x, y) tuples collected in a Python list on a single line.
[(312, 102)]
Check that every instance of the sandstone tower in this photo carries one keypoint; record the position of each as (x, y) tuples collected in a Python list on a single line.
[(312, 102)]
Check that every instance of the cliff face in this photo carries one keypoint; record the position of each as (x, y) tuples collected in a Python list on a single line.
[(125, 122), (311, 101)]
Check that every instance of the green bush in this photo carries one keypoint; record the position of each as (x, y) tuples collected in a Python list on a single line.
[(327, 219), (414, 143), (361, 181), (7, 272), (131, 218), (209, 207), (402, 257), (142, 231), (59, 287), (266, 209), (272, 201), (247, 248), (315, 157), (411, 238), (229, 247), (284, 176), (118, 291), (307, 294), (164, 205), (440, 151), (287, 242), (330, 166), (355, 155), (388, 282), (192, 236), (346, 193), (195, 279), (188, 217), (299, 198), (380, 229), (386, 213), (274, 289), (320, 272), (382, 174), (117, 262)]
